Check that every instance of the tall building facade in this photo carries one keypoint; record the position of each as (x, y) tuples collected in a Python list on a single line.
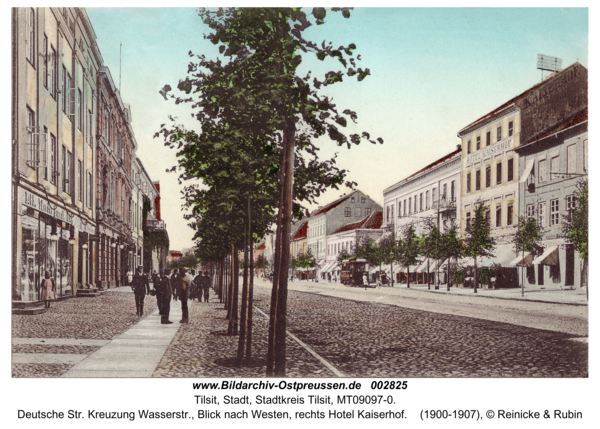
[(116, 146), (54, 98)]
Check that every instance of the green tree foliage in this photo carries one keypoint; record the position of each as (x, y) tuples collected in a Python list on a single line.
[(409, 248), (479, 243), (453, 247), (575, 223)]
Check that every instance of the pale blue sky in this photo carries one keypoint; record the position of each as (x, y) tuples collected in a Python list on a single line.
[(433, 71)]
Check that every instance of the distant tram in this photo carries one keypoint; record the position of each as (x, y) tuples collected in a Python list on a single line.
[(352, 272)]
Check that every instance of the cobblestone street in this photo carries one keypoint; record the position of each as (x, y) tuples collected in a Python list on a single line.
[(358, 338)]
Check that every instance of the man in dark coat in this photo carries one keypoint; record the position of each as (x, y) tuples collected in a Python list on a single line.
[(205, 286), (185, 282), (163, 296), (197, 286), (140, 287)]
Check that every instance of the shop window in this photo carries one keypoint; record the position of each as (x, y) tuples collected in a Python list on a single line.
[(530, 274), (570, 265), (540, 273)]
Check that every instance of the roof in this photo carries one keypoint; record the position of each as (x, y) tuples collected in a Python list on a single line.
[(578, 118), (512, 100), (302, 232), (261, 246), (332, 205), (372, 221), (443, 159)]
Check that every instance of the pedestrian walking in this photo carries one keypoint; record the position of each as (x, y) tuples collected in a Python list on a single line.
[(365, 279), (206, 285), (163, 296), (184, 291), (197, 286), (47, 289), (140, 286)]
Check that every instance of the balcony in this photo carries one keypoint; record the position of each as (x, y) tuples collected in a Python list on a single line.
[(155, 225)]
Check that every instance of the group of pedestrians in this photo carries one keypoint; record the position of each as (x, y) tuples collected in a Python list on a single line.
[(181, 286)]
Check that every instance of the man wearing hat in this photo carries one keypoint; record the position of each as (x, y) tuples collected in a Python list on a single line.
[(163, 296), (184, 292), (140, 286)]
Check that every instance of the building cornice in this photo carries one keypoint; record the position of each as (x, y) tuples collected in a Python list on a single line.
[(426, 175), (508, 110)]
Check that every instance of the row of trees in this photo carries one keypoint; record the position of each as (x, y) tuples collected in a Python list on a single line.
[(258, 121)]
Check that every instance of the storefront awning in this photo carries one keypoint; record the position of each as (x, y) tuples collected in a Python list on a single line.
[(527, 171), (327, 268), (503, 254), (549, 257), (522, 261)]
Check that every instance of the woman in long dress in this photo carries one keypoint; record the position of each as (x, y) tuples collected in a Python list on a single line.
[(47, 287)]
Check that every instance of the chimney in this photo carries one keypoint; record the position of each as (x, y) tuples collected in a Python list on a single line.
[(458, 147)]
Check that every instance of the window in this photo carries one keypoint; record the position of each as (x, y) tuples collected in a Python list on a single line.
[(452, 187), (399, 209), (392, 207), (347, 212), (498, 173), (478, 146), (367, 211), (467, 221), (65, 180), (53, 154), (358, 212), (45, 61), (89, 189), (80, 177), (510, 170), (488, 138), (554, 217), (444, 193), (510, 128), (498, 216), (488, 216), (421, 201), (469, 147), (488, 176), (427, 200), (415, 204), (478, 180), (363, 200), (46, 169), (542, 170), (499, 134), (509, 215), (32, 140), (570, 203), (530, 211), (468, 183), (542, 214), (30, 36), (52, 70), (63, 89), (352, 199), (404, 212), (571, 159), (387, 211), (89, 129), (70, 98), (80, 110), (409, 205)]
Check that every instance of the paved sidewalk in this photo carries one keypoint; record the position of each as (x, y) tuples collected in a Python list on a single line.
[(135, 353)]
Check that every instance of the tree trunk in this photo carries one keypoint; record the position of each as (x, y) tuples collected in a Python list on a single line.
[(428, 282), (243, 317), (522, 275), (230, 288), (220, 281), (392, 272), (277, 322), (408, 277), (475, 276), (250, 303), (233, 319)]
